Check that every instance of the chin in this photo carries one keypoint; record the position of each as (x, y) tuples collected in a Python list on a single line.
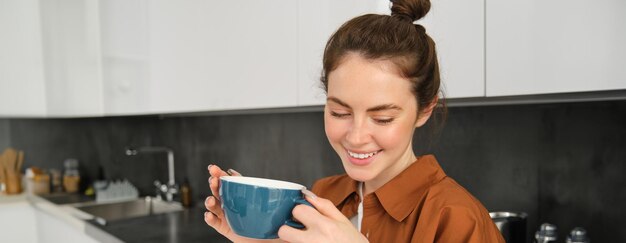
[(358, 174)]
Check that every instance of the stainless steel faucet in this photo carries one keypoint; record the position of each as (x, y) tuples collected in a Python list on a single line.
[(169, 189)]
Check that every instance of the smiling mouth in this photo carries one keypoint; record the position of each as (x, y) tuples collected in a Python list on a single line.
[(362, 156)]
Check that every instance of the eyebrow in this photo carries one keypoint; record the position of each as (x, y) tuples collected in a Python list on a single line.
[(375, 108)]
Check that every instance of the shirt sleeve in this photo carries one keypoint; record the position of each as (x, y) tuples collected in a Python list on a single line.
[(460, 224)]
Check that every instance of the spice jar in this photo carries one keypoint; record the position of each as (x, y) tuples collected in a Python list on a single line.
[(71, 176)]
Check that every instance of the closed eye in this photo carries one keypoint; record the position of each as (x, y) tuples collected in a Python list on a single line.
[(339, 115), (383, 121)]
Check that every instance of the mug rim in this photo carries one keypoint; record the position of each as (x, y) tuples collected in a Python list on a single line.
[(269, 183)]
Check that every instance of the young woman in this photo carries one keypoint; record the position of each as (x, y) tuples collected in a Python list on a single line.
[(382, 82)]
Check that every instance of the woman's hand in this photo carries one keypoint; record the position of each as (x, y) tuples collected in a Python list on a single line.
[(324, 223), (215, 216)]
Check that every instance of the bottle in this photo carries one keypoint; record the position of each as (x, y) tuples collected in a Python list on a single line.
[(577, 235), (546, 233), (55, 180), (71, 176), (185, 191)]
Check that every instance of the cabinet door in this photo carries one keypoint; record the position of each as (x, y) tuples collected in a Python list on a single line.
[(18, 222), (172, 56), (125, 56), (71, 49), (52, 229), (457, 27), (317, 21), (22, 88), (222, 55), (538, 47)]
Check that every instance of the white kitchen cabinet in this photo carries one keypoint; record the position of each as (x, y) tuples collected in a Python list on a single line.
[(125, 56), (457, 28), (72, 62), (317, 21), (22, 87), (540, 47), (22, 221), (18, 222), (191, 56), (51, 229), (49, 66)]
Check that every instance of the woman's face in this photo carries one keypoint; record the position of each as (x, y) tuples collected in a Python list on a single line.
[(370, 117)]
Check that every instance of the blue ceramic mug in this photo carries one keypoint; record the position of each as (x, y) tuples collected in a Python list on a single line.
[(257, 207)]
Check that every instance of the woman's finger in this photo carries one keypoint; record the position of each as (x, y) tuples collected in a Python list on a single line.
[(292, 235), (233, 172), (212, 220), (213, 205), (214, 184), (308, 216), (215, 171), (214, 180), (324, 206)]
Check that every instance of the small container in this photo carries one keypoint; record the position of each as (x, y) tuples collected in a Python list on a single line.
[(578, 235), (38, 184), (71, 176), (512, 225), (185, 191), (547, 233), (56, 180)]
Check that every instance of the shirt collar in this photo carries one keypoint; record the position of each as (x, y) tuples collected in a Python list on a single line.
[(345, 187), (401, 194)]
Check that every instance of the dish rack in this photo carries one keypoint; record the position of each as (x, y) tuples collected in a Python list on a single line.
[(114, 191)]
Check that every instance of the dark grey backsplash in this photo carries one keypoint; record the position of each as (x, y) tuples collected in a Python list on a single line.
[(560, 163), (5, 134)]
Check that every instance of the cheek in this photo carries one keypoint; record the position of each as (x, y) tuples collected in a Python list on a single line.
[(395, 137), (335, 129)]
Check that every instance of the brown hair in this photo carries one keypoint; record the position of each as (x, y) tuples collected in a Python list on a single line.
[(395, 38)]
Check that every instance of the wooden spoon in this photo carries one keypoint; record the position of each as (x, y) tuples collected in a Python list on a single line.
[(20, 161), (2, 176), (10, 159)]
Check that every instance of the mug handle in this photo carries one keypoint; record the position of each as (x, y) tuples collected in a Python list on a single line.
[(294, 223)]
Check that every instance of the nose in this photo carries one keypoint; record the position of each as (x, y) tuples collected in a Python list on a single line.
[(359, 134)]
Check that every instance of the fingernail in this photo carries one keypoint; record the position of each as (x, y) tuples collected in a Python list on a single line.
[(209, 167), (206, 200), (205, 214), (233, 172), (308, 193)]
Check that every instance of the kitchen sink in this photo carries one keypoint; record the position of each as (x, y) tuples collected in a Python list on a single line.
[(105, 212)]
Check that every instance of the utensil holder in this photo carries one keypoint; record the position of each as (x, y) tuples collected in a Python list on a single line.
[(13, 183)]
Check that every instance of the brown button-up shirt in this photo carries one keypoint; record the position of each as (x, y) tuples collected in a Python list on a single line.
[(421, 204)]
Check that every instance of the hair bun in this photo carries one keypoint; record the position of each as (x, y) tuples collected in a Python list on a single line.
[(410, 10)]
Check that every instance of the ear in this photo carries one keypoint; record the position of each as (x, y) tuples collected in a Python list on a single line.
[(426, 113)]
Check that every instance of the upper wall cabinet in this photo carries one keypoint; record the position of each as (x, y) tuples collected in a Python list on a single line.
[(49, 66), (457, 28), (317, 21), (72, 61), (22, 88), (538, 47), (125, 51), (166, 56)]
